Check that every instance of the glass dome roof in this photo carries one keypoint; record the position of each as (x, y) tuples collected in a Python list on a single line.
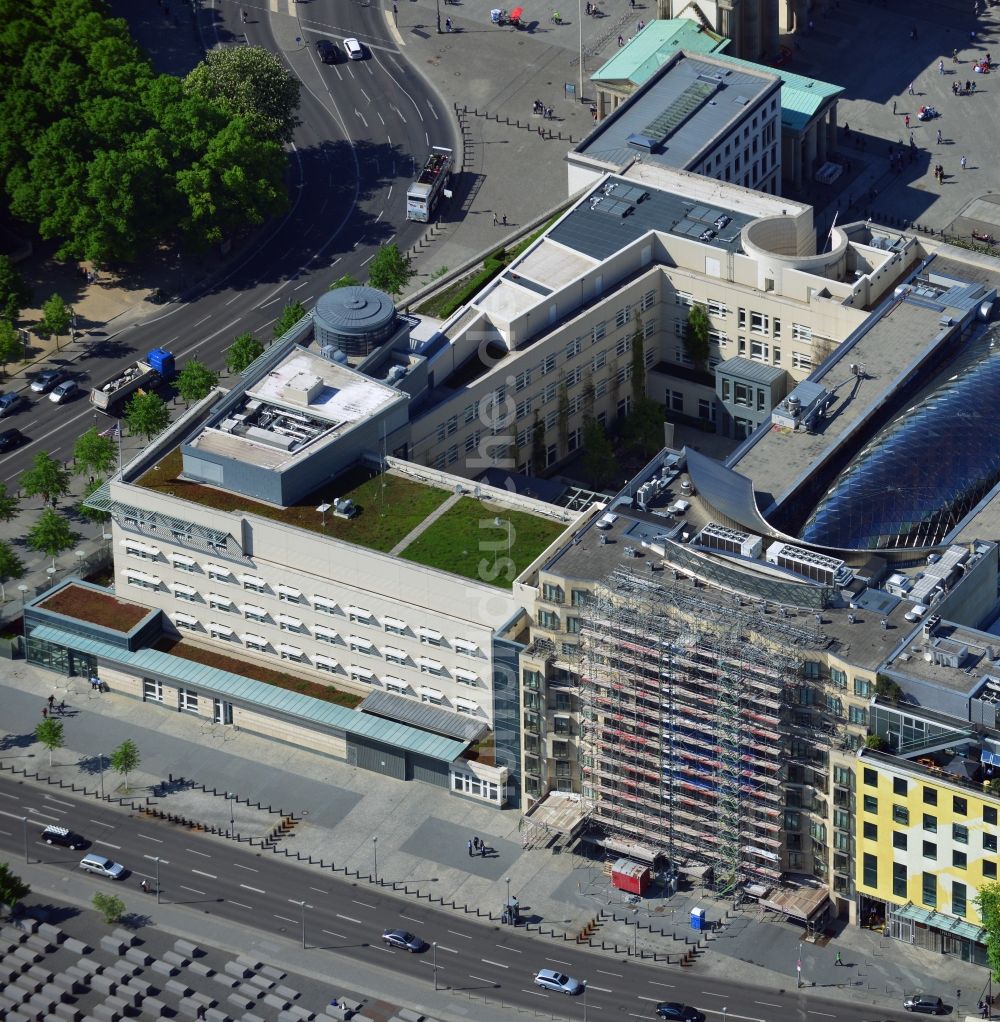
[(924, 471)]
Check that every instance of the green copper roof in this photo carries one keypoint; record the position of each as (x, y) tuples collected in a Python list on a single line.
[(640, 59), (655, 45)]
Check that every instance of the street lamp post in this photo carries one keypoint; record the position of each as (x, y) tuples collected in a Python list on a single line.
[(302, 905), (579, 19), (375, 855), (439, 16), (232, 823), (100, 765), (24, 820), (434, 949), (584, 1002), (156, 859), (507, 905), (798, 968)]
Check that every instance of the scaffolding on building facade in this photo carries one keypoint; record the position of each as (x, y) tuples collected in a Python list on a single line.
[(682, 744)]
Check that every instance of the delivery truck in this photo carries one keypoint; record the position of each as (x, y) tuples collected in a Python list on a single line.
[(143, 374)]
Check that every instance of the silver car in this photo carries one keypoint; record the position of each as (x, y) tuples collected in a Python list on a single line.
[(10, 403), (102, 866), (549, 979)]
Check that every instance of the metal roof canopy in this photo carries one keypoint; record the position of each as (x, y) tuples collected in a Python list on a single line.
[(259, 694), (425, 716)]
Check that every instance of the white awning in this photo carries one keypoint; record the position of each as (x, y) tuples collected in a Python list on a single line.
[(431, 693), (142, 576), (466, 704), (287, 619), (144, 548), (257, 640), (431, 665), (219, 569), (397, 683), (362, 672), (324, 601), (395, 622), (289, 590), (359, 612), (220, 629), (461, 672), (290, 650), (218, 598), (324, 661), (360, 640), (180, 587), (252, 580), (430, 633), (330, 633), (398, 654), (183, 559), (250, 608), (186, 619), (464, 646)]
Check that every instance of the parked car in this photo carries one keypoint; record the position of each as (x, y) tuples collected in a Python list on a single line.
[(678, 1011), (46, 380), (65, 391), (11, 438), (102, 866), (929, 1004), (404, 940), (62, 836), (10, 403), (354, 49), (549, 979), (328, 52)]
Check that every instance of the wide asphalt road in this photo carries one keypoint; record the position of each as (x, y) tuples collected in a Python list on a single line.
[(366, 126), (262, 892)]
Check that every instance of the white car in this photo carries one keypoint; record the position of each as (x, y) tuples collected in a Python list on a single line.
[(354, 49), (63, 392), (102, 866)]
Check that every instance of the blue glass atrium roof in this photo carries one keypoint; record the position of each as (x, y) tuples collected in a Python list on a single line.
[(924, 471)]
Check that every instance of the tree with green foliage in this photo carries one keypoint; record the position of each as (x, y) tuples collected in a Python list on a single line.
[(195, 381), (644, 426), (243, 352), (537, 445), (390, 270), (94, 454), (111, 907), (11, 348), (56, 318), (47, 477), (125, 759), (11, 566), (250, 82), (146, 415), (84, 510), (14, 293), (638, 363), (49, 733), (987, 902), (346, 281), (13, 890), (696, 336), (290, 315), (599, 461), (10, 506), (51, 534)]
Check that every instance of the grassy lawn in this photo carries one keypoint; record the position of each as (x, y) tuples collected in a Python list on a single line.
[(247, 669), (97, 608), (389, 506), (459, 543)]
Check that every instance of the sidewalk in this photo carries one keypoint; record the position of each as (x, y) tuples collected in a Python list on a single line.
[(422, 834)]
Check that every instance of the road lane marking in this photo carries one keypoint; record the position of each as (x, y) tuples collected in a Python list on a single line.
[(729, 1014), (58, 801), (318, 890), (603, 973), (483, 979), (285, 918), (339, 936), (99, 823), (413, 919), (825, 1014), (768, 1004), (256, 890), (7, 794), (153, 858), (194, 851), (249, 869), (604, 990), (499, 965), (558, 961), (504, 947), (304, 283), (108, 844), (711, 993), (211, 876), (464, 936), (349, 919), (146, 837), (532, 990), (450, 950), (193, 890), (652, 1000), (363, 903), (669, 986), (240, 903)]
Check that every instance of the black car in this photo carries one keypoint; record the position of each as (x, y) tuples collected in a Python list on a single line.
[(929, 1004), (327, 51), (403, 940), (678, 1011), (11, 438), (63, 836)]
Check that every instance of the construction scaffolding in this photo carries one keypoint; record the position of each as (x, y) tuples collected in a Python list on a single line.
[(682, 739)]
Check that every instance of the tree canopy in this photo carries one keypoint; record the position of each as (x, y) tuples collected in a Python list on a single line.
[(51, 534), (244, 350), (195, 380), (290, 315), (94, 454), (146, 415), (109, 158), (14, 293), (46, 476), (390, 270)]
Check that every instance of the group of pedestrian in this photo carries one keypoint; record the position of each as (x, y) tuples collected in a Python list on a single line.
[(499, 222), (939, 174), (984, 1009), (969, 90), (477, 847), (50, 708)]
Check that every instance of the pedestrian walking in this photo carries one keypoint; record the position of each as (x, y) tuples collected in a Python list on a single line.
[(503, 219), (52, 701), (496, 220), (973, 86), (482, 849), (910, 90), (939, 139), (906, 120), (911, 138), (621, 39), (45, 712), (470, 848), (968, 85), (62, 707), (940, 67), (839, 961), (963, 162), (475, 843), (447, 24)]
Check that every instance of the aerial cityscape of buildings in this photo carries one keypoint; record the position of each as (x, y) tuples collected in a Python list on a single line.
[(792, 642)]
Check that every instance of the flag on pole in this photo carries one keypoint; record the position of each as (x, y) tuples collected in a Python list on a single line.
[(114, 432)]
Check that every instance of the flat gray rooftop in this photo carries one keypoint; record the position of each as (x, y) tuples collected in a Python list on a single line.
[(948, 638), (679, 115), (620, 212), (890, 350)]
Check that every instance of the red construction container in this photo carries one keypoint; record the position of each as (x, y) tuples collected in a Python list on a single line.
[(631, 876)]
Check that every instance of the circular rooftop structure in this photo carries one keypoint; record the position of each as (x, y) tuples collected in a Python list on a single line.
[(357, 320)]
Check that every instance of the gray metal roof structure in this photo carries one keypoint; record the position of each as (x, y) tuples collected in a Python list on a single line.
[(679, 115), (618, 213), (425, 716), (261, 695), (747, 369)]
